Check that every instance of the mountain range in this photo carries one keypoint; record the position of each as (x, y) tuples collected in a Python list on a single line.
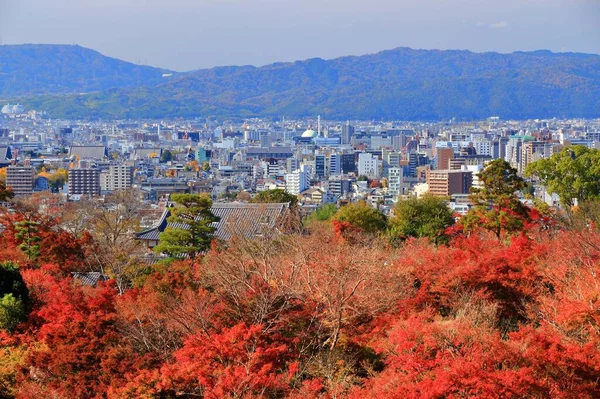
[(406, 84)]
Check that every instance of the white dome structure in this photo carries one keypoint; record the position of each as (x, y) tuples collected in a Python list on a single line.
[(309, 134)]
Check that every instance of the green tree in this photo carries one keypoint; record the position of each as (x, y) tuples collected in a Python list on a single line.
[(12, 312), (496, 206), (193, 230), (428, 216), (26, 234), (362, 216), (276, 196), (166, 156), (324, 213), (14, 297), (573, 174)]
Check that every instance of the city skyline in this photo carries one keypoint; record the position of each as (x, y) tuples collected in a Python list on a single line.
[(185, 35)]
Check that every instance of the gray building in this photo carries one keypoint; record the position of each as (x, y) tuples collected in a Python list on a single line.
[(84, 181), (20, 179)]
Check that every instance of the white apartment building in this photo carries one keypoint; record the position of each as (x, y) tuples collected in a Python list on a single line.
[(296, 182), (483, 147), (368, 165), (395, 180)]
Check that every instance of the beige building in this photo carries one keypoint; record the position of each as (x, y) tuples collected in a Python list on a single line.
[(447, 182), (118, 177)]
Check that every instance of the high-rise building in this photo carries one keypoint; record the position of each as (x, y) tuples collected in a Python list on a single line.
[(395, 180), (414, 161), (84, 181), (347, 133), (118, 177), (348, 163), (368, 165), (335, 164), (391, 159), (448, 182), (320, 165), (296, 182), (20, 179), (443, 156)]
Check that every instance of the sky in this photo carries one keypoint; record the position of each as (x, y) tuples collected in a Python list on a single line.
[(192, 34)]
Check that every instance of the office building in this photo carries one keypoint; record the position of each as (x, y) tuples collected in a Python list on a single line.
[(320, 166), (335, 165), (348, 163), (347, 133)]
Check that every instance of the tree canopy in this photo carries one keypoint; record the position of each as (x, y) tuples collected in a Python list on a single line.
[(193, 231), (5, 192), (360, 215), (275, 196), (427, 216), (573, 174), (496, 205), (14, 297)]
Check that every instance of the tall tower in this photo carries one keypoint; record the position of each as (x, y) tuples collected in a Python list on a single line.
[(319, 125)]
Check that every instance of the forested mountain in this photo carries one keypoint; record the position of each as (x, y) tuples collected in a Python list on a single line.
[(395, 84), (33, 69)]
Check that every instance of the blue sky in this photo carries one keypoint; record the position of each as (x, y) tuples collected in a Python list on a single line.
[(192, 34)]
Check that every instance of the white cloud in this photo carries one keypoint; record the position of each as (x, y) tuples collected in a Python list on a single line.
[(499, 25)]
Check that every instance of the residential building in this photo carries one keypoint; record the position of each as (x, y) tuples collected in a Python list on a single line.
[(118, 177), (20, 179), (296, 182), (395, 180), (443, 157), (84, 181)]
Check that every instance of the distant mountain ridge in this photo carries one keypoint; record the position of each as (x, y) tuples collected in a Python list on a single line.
[(34, 69), (394, 84)]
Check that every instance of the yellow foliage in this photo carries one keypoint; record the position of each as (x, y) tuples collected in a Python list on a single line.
[(3, 174), (12, 359)]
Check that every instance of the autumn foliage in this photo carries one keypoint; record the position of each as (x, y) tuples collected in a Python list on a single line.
[(332, 312)]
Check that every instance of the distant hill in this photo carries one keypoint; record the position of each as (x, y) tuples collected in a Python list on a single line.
[(33, 69), (395, 84)]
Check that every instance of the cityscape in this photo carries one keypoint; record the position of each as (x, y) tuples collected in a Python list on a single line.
[(321, 162), (253, 199)]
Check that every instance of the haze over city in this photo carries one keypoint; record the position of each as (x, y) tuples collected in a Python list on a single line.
[(185, 35)]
